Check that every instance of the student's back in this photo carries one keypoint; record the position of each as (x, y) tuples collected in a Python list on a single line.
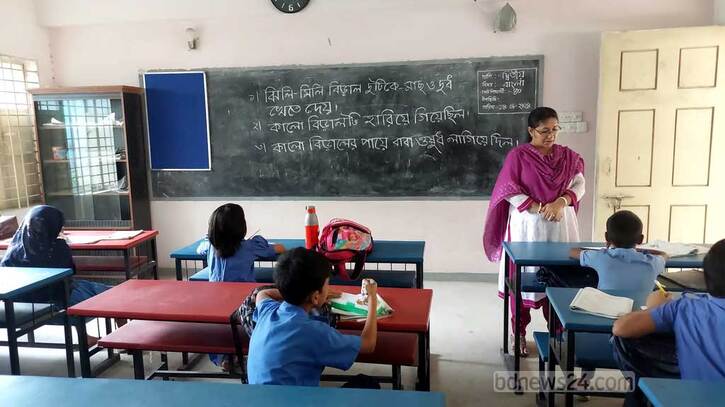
[(239, 266), (230, 257), (620, 266), (290, 348)]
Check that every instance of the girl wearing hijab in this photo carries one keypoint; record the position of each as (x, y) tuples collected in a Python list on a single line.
[(37, 243)]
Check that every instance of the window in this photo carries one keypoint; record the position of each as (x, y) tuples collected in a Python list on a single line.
[(20, 184)]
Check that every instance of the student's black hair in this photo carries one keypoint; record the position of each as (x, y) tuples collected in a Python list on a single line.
[(299, 273), (227, 228), (539, 115), (624, 229), (714, 265)]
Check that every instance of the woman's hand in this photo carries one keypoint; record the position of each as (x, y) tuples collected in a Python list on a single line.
[(554, 211), (535, 208)]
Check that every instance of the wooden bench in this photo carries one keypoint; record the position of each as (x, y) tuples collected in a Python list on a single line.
[(395, 349)]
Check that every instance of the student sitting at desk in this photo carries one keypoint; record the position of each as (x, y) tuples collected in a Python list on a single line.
[(36, 243), (230, 256), (698, 324), (620, 266), (287, 346)]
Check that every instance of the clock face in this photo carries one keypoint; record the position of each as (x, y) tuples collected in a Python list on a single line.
[(290, 6)]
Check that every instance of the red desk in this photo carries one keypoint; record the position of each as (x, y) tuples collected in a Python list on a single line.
[(215, 302), (129, 265)]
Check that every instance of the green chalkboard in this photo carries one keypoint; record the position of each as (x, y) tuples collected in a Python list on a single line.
[(399, 129)]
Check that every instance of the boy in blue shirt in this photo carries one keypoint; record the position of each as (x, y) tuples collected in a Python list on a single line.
[(620, 266), (287, 346), (698, 325)]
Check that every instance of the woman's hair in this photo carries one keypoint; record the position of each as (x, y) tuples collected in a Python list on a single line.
[(714, 266), (227, 228), (540, 114)]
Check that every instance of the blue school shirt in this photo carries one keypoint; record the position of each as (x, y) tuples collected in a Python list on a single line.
[(698, 323), (623, 269), (288, 347), (240, 266)]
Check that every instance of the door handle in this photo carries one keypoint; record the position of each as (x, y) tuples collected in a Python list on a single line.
[(614, 201)]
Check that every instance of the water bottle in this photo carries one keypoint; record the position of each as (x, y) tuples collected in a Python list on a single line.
[(312, 228)]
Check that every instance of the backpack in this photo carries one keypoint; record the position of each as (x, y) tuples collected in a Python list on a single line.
[(344, 241)]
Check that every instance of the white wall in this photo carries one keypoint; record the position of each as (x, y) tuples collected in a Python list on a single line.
[(100, 42), (21, 36), (719, 12)]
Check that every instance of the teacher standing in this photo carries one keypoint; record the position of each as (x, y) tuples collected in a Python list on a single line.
[(535, 199)]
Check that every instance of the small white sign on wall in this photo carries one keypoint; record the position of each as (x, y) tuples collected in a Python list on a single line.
[(572, 122)]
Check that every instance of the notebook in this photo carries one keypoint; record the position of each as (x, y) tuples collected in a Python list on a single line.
[(674, 249), (592, 301), (350, 306)]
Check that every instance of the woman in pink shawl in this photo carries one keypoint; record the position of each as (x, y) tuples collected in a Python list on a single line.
[(536, 198)]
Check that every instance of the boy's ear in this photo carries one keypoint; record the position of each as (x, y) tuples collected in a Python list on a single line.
[(606, 237), (641, 239)]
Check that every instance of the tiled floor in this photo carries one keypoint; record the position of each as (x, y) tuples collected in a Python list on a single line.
[(465, 346)]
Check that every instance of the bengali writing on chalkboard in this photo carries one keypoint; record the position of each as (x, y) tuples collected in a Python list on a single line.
[(293, 111), (505, 91), (421, 128)]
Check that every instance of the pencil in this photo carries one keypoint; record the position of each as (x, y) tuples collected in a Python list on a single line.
[(661, 287)]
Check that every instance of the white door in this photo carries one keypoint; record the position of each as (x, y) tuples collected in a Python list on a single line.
[(661, 132)]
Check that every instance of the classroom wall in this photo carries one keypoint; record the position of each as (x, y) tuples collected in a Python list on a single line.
[(719, 12), (22, 36), (100, 42)]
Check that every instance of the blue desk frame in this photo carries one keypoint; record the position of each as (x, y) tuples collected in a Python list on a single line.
[(562, 349), (384, 251), (19, 282), (30, 391), (524, 254), (677, 393)]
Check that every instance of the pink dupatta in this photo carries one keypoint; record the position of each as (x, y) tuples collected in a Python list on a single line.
[(527, 171)]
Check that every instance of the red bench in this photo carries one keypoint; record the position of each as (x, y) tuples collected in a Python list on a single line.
[(393, 348), (86, 266)]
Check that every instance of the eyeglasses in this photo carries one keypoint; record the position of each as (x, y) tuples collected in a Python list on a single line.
[(546, 131)]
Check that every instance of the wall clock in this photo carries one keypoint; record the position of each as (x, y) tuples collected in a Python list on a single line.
[(290, 6)]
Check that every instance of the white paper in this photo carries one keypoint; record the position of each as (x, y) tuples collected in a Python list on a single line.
[(124, 234), (672, 249), (592, 301), (81, 239)]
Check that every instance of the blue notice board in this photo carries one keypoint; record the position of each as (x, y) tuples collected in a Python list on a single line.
[(178, 120)]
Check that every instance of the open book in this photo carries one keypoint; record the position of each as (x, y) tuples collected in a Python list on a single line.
[(674, 249), (350, 306), (592, 301)]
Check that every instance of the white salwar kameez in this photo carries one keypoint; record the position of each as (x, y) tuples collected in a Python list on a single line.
[(532, 227)]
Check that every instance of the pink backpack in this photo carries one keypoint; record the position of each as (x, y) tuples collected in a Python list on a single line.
[(344, 241)]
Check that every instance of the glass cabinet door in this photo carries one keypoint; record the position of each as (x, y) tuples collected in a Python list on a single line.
[(83, 157)]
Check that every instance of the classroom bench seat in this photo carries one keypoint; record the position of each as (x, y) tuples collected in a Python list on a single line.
[(393, 348), (593, 350), (107, 263), (25, 312)]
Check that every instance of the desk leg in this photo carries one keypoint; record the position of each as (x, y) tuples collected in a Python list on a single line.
[(569, 368), (67, 330), (551, 365), (155, 259), (418, 275), (138, 369), (517, 313), (12, 337), (179, 277), (127, 264), (424, 361), (83, 352), (109, 329)]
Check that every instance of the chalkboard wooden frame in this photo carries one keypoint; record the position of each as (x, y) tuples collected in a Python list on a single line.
[(185, 119), (190, 191)]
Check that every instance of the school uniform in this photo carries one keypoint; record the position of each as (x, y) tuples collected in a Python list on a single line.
[(290, 348), (698, 322), (238, 267), (36, 244), (623, 269)]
